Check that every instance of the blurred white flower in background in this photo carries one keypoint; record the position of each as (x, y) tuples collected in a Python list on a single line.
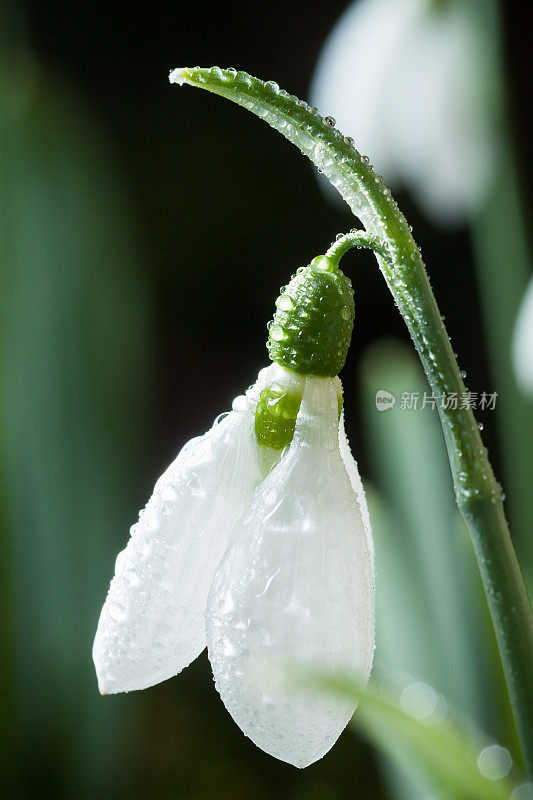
[(410, 81), (523, 343)]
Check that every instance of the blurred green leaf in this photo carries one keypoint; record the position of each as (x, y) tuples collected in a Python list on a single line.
[(436, 746), (503, 263), (430, 611), (419, 553), (74, 377)]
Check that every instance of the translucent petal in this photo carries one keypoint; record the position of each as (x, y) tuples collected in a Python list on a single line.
[(152, 623), (295, 588), (357, 485)]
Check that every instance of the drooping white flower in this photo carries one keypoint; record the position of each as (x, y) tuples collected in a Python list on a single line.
[(523, 343), (275, 487), (412, 82), (295, 588)]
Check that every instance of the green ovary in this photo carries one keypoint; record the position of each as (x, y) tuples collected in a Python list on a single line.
[(312, 326)]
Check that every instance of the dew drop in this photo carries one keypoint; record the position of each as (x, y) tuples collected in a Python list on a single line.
[(480, 426), (131, 578), (277, 333), (330, 121), (117, 612), (239, 404), (284, 303)]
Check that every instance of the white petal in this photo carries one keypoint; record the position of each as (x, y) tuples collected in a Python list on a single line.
[(295, 586), (357, 485), (152, 623), (523, 343)]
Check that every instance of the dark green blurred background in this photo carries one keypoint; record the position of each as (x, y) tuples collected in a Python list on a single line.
[(145, 232)]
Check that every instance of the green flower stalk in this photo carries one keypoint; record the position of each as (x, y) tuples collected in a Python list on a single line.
[(387, 233)]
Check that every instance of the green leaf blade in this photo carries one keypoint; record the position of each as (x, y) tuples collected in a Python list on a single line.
[(438, 747), (318, 139)]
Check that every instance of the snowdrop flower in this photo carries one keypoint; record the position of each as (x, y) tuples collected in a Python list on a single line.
[(409, 80), (523, 343), (257, 540)]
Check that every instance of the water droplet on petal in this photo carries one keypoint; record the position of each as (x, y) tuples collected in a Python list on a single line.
[(240, 403), (117, 612)]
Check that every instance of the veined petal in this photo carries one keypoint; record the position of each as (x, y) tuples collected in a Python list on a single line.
[(357, 485), (152, 623), (295, 588)]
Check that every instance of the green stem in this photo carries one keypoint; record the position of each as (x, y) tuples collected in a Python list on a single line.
[(477, 493), (355, 238), (479, 500)]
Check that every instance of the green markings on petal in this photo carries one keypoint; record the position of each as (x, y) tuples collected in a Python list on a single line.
[(275, 416), (312, 326), (278, 407)]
